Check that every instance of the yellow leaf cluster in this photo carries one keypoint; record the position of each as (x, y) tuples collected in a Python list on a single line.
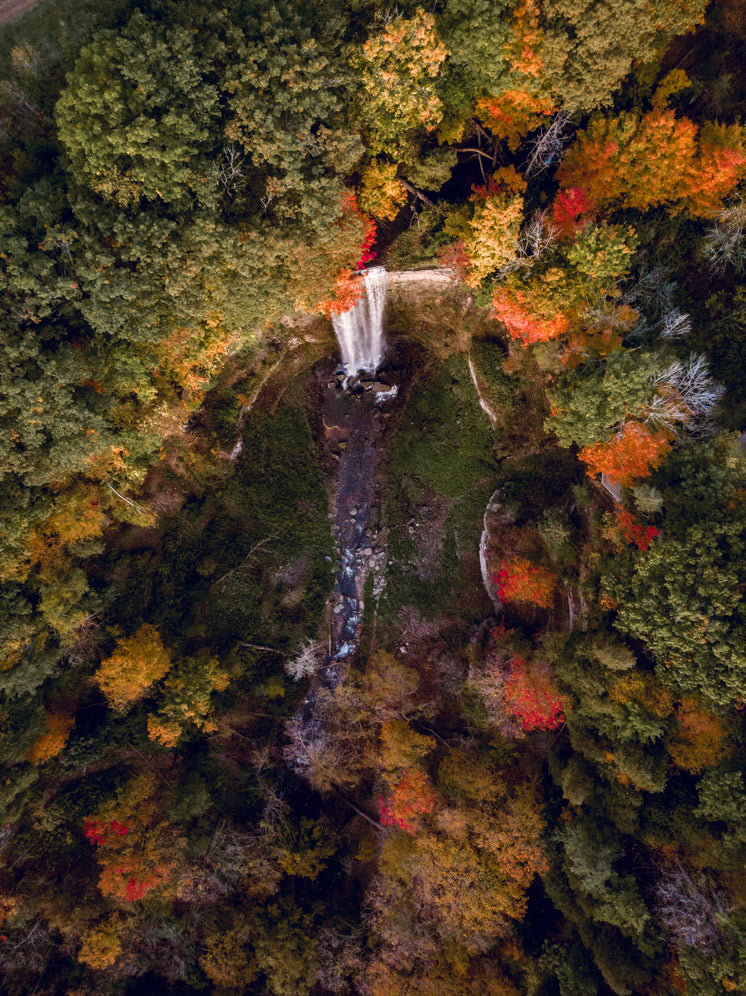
[(381, 192), (138, 661)]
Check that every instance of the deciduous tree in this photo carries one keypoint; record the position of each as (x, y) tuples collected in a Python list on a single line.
[(128, 673)]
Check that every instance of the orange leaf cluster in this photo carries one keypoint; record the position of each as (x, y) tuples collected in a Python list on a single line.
[(350, 288), (521, 581), (523, 49), (640, 161), (631, 455), (59, 725), (138, 661), (719, 170), (512, 308), (698, 742), (513, 114)]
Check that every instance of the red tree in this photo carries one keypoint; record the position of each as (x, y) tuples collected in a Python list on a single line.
[(521, 581), (571, 211), (412, 798), (632, 531), (532, 697)]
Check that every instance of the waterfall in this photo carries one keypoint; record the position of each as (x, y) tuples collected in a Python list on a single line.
[(359, 331)]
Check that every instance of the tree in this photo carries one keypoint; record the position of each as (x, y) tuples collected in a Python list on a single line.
[(136, 848), (521, 581), (139, 117), (699, 739), (49, 745), (514, 114), (286, 75), (398, 69), (572, 209), (684, 599), (101, 944), (633, 453), (624, 525), (532, 697), (186, 694), (514, 308), (489, 231), (128, 673), (583, 63), (410, 799), (382, 193), (637, 160), (593, 402)]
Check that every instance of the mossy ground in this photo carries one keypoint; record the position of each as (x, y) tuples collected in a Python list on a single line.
[(441, 475)]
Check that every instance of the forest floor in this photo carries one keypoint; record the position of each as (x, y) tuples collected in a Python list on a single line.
[(11, 9)]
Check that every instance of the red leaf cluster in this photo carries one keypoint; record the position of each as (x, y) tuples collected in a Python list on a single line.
[(135, 889), (633, 531), (571, 211), (411, 799), (95, 830), (521, 581), (532, 697), (366, 253)]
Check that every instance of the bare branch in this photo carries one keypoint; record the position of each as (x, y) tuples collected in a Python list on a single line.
[(548, 148), (229, 170)]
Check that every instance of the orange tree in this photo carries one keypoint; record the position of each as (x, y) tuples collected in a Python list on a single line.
[(637, 160)]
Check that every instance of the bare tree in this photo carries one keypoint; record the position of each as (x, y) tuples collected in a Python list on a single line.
[(685, 395), (691, 910), (654, 291), (674, 325), (229, 170), (548, 147), (307, 662), (724, 245)]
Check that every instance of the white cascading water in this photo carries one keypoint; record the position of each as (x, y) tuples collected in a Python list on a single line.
[(359, 331)]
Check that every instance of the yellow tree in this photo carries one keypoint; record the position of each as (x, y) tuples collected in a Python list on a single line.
[(399, 68), (138, 661), (187, 701), (488, 229)]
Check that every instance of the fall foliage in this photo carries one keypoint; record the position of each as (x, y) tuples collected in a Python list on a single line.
[(532, 696), (128, 673), (410, 800), (630, 456), (521, 581), (641, 160)]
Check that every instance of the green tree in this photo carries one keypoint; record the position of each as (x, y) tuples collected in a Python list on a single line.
[(139, 118), (584, 62), (684, 596)]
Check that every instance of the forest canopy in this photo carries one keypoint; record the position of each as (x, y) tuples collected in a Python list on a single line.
[(429, 680)]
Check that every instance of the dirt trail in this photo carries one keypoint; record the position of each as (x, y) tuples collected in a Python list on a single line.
[(11, 9)]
